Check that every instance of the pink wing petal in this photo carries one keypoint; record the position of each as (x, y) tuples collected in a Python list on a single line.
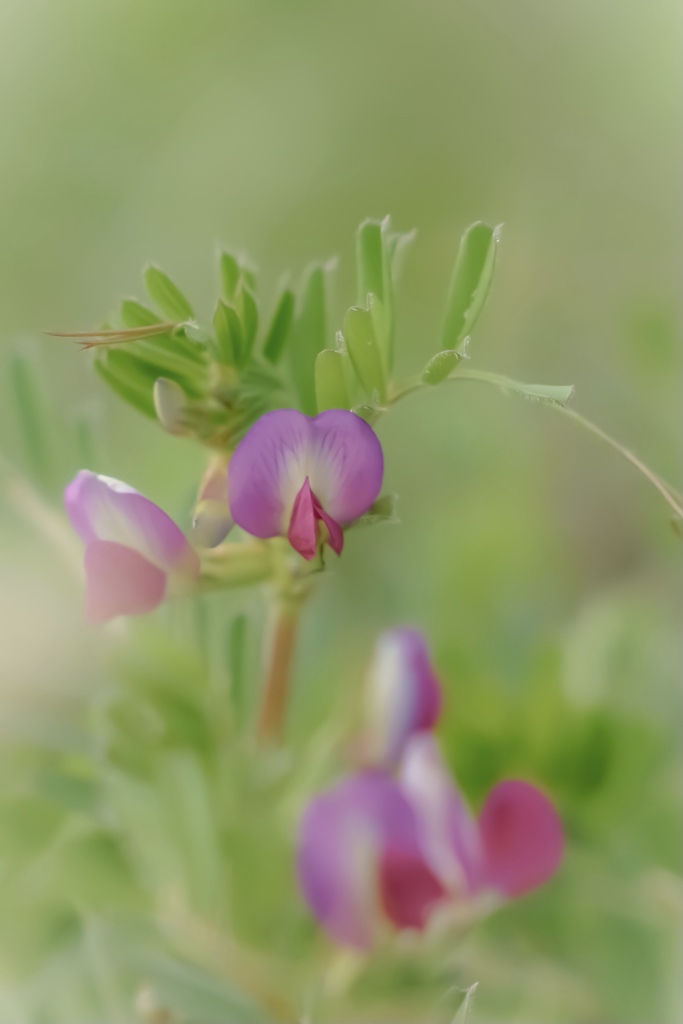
[(102, 508), (267, 471), (449, 833), (523, 837), (120, 582), (346, 464), (347, 834)]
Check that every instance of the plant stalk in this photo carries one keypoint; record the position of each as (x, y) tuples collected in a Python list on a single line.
[(284, 631)]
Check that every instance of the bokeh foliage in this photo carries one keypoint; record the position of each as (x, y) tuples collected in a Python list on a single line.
[(133, 825)]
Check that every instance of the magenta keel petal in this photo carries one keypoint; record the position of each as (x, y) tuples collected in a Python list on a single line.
[(523, 837), (120, 582), (409, 888), (302, 526)]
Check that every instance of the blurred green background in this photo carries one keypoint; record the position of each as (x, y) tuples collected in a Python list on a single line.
[(541, 566)]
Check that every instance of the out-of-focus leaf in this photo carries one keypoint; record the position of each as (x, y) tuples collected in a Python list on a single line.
[(440, 366), (237, 655), (472, 276), (166, 295), (30, 407), (126, 376), (229, 337), (134, 314), (230, 275), (309, 335), (280, 325), (364, 351), (186, 796), (384, 510), (374, 278), (330, 380), (248, 312), (194, 995)]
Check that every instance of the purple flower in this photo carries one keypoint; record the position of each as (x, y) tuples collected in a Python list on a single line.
[(134, 555), (404, 695), (304, 478), (360, 860), (378, 849)]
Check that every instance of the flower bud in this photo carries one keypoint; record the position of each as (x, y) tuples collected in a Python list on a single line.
[(403, 695)]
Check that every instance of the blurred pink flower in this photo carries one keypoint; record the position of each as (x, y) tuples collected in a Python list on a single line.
[(134, 553), (374, 848), (403, 695)]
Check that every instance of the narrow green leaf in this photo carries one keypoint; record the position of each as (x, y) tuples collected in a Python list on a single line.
[(472, 276), (229, 338), (374, 278), (440, 366), (330, 380), (230, 275), (166, 295), (309, 336), (398, 245), (248, 312), (237, 661), (30, 407), (280, 325), (134, 314), (364, 351), (120, 371)]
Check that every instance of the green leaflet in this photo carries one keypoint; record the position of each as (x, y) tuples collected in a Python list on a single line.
[(330, 380), (472, 276), (280, 325), (229, 338), (373, 264), (364, 351), (440, 366), (166, 295), (309, 335)]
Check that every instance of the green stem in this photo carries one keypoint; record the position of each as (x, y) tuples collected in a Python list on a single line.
[(669, 493), (278, 672)]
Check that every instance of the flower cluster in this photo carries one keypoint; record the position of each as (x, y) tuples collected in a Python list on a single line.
[(395, 843), (293, 476)]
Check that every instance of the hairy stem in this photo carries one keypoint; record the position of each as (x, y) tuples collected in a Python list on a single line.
[(671, 496), (278, 672)]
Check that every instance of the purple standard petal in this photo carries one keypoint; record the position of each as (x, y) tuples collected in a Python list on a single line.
[(120, 582), (358, 855), (404, 695), (101, 508), (448, 832), (290, 472), (522, 835)]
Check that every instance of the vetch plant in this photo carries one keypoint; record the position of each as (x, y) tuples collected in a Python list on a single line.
[(389, 856)]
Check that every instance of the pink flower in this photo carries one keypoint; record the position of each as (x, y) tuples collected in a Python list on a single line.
[(135, 554), (403, 695), (375, 849), (305, 479)]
